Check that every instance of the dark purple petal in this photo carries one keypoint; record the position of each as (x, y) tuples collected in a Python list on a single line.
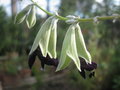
[(88, 67), (56, 61), (46, 60), (82, 73), (42, 65), (31, 59), (92, 74)]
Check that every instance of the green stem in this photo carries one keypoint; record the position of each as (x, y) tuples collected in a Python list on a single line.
[(100, 18)]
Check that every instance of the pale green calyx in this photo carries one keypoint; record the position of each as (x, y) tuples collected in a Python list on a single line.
[(31, 17), (20, 17), (80, 43), (46, 38), (69, 50), (73, 47)]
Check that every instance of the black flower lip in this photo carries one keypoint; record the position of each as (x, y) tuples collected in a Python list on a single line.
[(87, 67), (44, 60), (54, 62), (31, 59)]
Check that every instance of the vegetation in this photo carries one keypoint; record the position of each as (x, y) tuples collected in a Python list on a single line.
[(102, 40)]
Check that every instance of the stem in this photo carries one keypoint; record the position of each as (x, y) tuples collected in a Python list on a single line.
[(100, 18)]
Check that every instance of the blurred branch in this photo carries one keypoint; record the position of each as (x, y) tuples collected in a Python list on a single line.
[(99, 18)]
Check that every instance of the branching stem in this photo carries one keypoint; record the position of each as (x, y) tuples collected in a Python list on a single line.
[(99, 18)]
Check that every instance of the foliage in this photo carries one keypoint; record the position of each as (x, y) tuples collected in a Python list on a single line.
[(11, 35), (65, 4)]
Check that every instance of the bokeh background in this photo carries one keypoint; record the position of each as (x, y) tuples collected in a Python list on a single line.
[(102, 40)]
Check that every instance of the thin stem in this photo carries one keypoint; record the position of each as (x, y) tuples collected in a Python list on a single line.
[(60, 17), (100, 18)]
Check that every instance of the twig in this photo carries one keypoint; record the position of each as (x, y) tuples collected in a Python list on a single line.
[(100, 18)]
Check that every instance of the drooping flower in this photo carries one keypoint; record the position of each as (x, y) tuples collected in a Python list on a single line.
[(69, 50), (73, 46), (46, 38)]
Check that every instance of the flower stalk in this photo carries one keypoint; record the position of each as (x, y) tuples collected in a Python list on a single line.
[(100, 18)]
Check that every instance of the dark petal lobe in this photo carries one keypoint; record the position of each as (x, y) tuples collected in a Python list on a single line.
[(51, 61), (55, 62), (41, 58), (31, 59), (42, 65), (94, 65), (88, 67), (46, 60), (92, 74), (82, 73)]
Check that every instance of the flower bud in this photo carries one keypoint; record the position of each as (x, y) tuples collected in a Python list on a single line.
[(31, 17), (73, 47), (20, 17)]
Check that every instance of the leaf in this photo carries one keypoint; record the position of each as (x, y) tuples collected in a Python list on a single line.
[(31, 17), (69, 50), (19, 18), (81, 47), (53, 39)]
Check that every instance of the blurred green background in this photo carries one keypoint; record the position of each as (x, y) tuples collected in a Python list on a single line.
[(102, 40)]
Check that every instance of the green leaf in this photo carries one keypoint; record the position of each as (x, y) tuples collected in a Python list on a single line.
[(69, 50), (31, 17), (81, 47), (19, 18), (53, 39)]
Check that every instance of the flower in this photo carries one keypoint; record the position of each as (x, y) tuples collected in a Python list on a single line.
[(73, 47), (87, 67), (44, 60), (46, 38)]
